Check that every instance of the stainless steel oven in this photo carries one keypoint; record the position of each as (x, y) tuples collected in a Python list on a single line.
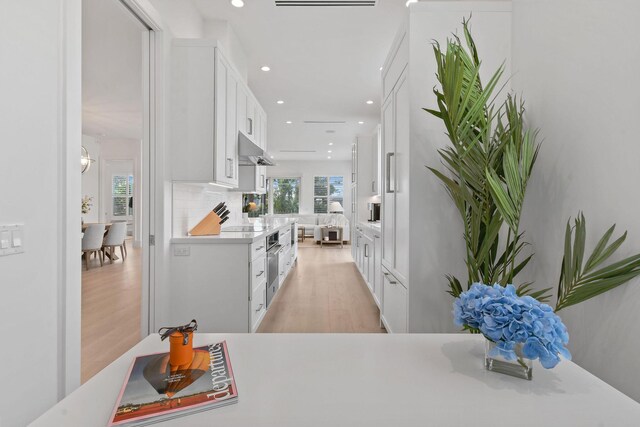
[(273, 261)]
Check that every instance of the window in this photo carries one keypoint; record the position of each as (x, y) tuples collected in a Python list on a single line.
[(327, 190), (286, 195), (122, 195)]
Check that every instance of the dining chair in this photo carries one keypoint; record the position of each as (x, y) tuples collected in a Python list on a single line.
[(92, 243), (115, 238)]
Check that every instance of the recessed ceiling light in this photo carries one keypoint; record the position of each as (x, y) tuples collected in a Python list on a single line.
[(271, 157), (329, 151), (328, 157), (380, 68), (288, 122), (280, 102), (360, 123), (331, 143), (237, 3), (369, 102), (265, 68), (410, 1)]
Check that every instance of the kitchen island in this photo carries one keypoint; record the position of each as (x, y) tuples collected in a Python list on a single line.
[(369, 380), (227, 281)]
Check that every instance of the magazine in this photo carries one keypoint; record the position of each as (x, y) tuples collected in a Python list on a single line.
[(155, 391)]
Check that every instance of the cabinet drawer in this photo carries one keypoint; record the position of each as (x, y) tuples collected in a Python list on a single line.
[(258, 249), (258, 305), (394, 304), (285, 238), (258, 271)]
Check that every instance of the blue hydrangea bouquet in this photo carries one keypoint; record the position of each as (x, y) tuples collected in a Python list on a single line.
[(516, 327)]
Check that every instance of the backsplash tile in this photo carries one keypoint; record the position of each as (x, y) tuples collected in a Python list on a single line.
[(192, 202)]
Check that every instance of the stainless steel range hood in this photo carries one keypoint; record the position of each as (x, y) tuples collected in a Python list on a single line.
[(249, 154)]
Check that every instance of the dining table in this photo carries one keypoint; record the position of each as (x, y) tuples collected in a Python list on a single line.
[(107, 226)]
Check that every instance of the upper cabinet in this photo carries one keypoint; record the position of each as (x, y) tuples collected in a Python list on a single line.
[(210, 105)]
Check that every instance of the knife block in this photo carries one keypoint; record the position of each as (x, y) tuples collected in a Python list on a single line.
[(209, 226)]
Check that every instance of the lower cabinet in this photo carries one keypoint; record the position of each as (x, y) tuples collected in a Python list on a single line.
[(377, 269), (258, 305), (394, 303)]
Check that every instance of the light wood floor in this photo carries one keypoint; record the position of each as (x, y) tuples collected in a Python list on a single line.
[(111, 298), (323, 293)]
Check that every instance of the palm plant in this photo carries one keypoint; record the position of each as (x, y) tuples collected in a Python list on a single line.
[(579, 280), (487, 169), (490, 153)]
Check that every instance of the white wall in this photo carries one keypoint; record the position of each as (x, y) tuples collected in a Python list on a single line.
[(230, 43), (306, 170), (91, 179), (576, 63), (33, 152)]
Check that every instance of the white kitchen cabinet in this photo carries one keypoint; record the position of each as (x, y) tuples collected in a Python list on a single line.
[(377, 269), (395, 200), (394, 306), (376, 139), (204, 107), (367, 260), (252, 179), (251, 118), (243, 97)]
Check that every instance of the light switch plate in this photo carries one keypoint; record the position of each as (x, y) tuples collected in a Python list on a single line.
[(11, 239), (181, 251)]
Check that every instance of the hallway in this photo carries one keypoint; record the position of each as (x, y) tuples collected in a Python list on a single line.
[(323, 293)]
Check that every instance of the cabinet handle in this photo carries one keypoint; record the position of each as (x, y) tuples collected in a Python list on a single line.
[(353, 177), (260, 274), (262, 180), (261, 247), (373, 186), (388, 173), (366, 250), (377, 237), (249, 126), (230, 168), (259, 307)]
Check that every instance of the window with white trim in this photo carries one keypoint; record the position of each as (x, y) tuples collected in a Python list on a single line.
[(328, 190), (122, 195)]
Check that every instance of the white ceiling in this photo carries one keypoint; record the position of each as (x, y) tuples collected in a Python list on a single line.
[(325, 64), (111, 71)]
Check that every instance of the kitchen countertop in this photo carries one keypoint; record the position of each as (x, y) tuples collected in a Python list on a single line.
[(375, 226), (228, 237), (369, 380)]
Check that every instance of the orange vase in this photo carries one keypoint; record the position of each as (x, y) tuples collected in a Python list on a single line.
[(179, 352)]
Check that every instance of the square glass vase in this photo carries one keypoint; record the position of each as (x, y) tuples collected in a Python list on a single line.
[(519, 368)]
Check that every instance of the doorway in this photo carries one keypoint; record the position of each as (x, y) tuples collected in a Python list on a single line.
[(117, 185)]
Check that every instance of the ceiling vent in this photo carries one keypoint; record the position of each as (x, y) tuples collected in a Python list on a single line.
[(326, 3)]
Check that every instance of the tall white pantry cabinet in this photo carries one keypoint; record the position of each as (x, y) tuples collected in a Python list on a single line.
[(418, 219)]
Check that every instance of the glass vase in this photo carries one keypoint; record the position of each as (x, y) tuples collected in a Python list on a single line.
[(519, 368)]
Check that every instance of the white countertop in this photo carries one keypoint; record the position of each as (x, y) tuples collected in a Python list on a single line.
[(270, 225), (370, 380), (375, 226)]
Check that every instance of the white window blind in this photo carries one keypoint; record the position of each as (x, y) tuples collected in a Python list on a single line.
[(327, 189)]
